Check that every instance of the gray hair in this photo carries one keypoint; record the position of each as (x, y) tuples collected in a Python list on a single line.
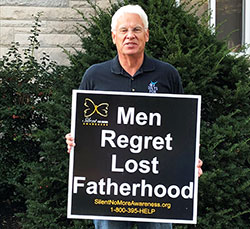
[(132, 9)]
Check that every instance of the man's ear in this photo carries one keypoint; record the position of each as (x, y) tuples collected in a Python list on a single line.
[(113, 37), (147, 35)]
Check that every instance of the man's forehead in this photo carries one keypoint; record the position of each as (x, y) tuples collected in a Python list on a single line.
[(126, 26), (129, 18)]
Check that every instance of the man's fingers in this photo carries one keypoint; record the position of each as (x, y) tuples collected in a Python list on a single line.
[(200, 163), (69, 141), (68, 135), (69, 149), (200, 172)]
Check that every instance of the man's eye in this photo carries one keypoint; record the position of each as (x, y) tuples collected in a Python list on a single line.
[(123, 30), (137, 30)]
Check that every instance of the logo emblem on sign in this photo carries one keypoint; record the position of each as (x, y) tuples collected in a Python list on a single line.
[(152, 88), (92, 108)]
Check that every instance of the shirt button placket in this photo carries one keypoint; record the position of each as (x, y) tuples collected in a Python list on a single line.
[(132, 84)]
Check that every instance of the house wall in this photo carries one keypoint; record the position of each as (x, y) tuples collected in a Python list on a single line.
[(202, 8), (58, 24), (58, 21)]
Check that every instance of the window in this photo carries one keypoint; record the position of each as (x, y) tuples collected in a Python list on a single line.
[(233, 18)]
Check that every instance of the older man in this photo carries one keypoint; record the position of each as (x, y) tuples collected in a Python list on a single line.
[(131, 71)]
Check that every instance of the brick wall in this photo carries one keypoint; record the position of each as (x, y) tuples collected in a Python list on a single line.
[(58, 21)]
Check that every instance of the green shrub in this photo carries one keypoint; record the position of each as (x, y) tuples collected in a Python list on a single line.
[(24, 84), (46, 185)]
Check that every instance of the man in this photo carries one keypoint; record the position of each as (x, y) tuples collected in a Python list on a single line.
[(131, 71)]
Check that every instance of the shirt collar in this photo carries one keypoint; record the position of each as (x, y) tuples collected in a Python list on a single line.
[(147, 66)]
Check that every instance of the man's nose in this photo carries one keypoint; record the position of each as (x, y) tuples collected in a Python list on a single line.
[(130, 34)]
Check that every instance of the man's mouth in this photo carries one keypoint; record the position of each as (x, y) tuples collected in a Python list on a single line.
[(130, 44)]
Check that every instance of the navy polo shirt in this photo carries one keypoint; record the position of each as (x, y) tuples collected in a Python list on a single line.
[(153, 76)]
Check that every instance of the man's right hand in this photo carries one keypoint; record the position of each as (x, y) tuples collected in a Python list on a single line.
[(69, 141)]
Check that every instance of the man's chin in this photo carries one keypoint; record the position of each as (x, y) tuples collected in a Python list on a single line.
[(131, 52)]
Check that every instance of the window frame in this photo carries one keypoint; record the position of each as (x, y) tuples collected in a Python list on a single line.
[(245, 21)]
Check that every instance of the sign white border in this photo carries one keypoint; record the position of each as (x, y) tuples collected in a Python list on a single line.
[(116, 218)]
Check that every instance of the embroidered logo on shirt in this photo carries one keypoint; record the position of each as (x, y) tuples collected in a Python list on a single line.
[(152, 88)]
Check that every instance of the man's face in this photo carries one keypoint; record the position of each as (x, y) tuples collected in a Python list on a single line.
[(130, 35)]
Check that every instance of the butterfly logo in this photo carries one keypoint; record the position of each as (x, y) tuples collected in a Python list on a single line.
[(101, 109)]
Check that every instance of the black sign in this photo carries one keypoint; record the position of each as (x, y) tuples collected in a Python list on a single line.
[(135, 157)]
